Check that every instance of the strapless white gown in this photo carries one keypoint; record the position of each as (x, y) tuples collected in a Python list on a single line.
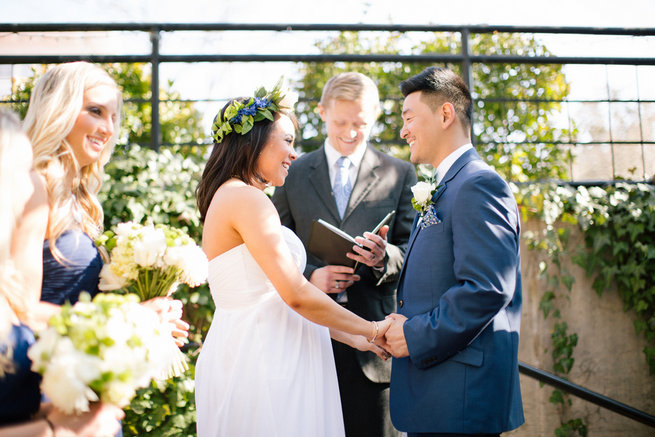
[(264, 370)]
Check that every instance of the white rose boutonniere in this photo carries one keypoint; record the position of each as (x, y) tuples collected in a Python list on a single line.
[(422, 202), (423, 192)]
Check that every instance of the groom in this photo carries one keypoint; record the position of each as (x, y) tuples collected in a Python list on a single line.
[(455, 339)]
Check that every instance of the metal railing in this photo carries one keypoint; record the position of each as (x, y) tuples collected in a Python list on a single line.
[(586, 394)]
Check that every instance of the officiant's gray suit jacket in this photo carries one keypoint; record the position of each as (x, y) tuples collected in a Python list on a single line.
[(383, 184)]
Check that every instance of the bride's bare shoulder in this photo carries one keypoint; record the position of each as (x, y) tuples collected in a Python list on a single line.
[(235, 197)]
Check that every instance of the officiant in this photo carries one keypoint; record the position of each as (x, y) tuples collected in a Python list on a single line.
[(350, 184)]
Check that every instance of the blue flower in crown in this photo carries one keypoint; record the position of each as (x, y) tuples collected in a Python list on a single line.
[(241, 115)]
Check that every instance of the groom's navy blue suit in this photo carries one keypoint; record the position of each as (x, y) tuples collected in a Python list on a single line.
[(460, 288)]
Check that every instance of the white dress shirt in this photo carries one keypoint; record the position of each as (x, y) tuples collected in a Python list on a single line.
[(449, 161), (332, 155)]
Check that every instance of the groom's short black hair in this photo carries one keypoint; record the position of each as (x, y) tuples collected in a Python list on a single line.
[(441, 85)]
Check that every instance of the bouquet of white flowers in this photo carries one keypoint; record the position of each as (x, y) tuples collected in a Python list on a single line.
[(100, 350), (150, 261)]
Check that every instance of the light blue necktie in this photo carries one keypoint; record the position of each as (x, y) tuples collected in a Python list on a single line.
[(342, 187)]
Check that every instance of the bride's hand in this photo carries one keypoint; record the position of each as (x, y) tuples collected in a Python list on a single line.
[(360, 342), (380, 339), (170, 312)]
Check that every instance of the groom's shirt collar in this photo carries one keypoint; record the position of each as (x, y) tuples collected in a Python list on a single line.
[(449, 161)]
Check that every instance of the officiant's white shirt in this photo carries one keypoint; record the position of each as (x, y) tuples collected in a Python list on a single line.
[(332, 155)]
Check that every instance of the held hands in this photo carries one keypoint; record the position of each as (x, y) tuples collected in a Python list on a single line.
[(394, 338), (373, 250), (333, 279)]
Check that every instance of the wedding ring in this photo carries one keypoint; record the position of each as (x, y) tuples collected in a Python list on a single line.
[(336, 285)]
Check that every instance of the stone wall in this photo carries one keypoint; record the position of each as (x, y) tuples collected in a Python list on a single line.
[(608, 357)]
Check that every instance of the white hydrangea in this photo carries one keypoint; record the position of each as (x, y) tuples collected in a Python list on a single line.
[(102, 350)]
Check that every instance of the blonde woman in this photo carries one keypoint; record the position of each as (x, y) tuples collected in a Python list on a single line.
[(73, 122), (20, 412)]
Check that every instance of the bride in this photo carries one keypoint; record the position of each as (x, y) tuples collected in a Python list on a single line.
[(266, 366)]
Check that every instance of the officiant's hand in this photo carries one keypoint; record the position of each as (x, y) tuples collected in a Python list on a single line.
[(333, 279), (395, 336), (374, 248)]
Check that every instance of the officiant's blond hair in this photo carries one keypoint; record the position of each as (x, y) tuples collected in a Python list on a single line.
[(351, 86), (55, 103)]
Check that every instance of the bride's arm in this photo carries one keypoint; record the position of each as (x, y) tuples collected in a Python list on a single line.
[(358, 342), (252, 215)]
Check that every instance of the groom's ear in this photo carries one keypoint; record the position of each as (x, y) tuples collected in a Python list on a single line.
[(447, 114)]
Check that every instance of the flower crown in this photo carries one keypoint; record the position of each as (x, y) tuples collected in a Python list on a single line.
[(240, 117)]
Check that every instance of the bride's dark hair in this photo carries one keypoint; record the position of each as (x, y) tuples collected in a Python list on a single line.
[(235, 156)]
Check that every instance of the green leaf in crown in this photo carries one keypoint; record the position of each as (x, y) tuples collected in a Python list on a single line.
[(240, 117)]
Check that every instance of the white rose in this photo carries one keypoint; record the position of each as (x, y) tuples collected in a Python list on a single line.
[(422, 192), (109, 280), (194, 267), (149, 247), (42, 350)]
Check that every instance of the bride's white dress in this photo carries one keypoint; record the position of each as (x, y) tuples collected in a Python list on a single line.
[(264, 370)]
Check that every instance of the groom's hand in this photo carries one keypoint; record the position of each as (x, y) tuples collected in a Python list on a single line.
[(395, 336), (333, 279)]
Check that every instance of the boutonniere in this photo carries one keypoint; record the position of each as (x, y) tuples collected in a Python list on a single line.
[(422, 202), (423, 192)]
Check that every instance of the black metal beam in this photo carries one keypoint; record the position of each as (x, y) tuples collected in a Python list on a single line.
[(169, 27), (425, 58), (586, 394)]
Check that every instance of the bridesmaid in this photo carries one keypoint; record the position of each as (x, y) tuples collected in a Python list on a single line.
[(20, 411), (73, 121)]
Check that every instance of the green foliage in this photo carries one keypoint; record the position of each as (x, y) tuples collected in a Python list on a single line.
[(572, 426), (164, 409), (511, 117), (179, 121), (142, 184), (618, 225), (563, 346)]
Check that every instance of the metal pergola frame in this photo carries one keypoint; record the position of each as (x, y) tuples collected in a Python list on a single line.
[(465, 57)]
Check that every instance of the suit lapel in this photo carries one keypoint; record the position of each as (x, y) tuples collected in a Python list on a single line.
[(319, 178), (468, 156), (367, 177)]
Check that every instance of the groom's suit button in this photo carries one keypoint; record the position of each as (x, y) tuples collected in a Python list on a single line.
[(401, 303), (429, 361)]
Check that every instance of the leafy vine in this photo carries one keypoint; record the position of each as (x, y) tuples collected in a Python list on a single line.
[(618, 226)]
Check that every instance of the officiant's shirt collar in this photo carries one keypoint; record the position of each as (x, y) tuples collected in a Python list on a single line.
[(331, 154), (449, 161)]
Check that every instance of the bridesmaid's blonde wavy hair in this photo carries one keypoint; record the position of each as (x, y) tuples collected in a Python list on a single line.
[(12, 298), (55, 103)]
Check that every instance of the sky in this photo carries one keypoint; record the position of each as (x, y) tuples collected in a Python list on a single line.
[(599, 13)]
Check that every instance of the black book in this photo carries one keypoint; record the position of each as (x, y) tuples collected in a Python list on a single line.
[(330, 244)]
